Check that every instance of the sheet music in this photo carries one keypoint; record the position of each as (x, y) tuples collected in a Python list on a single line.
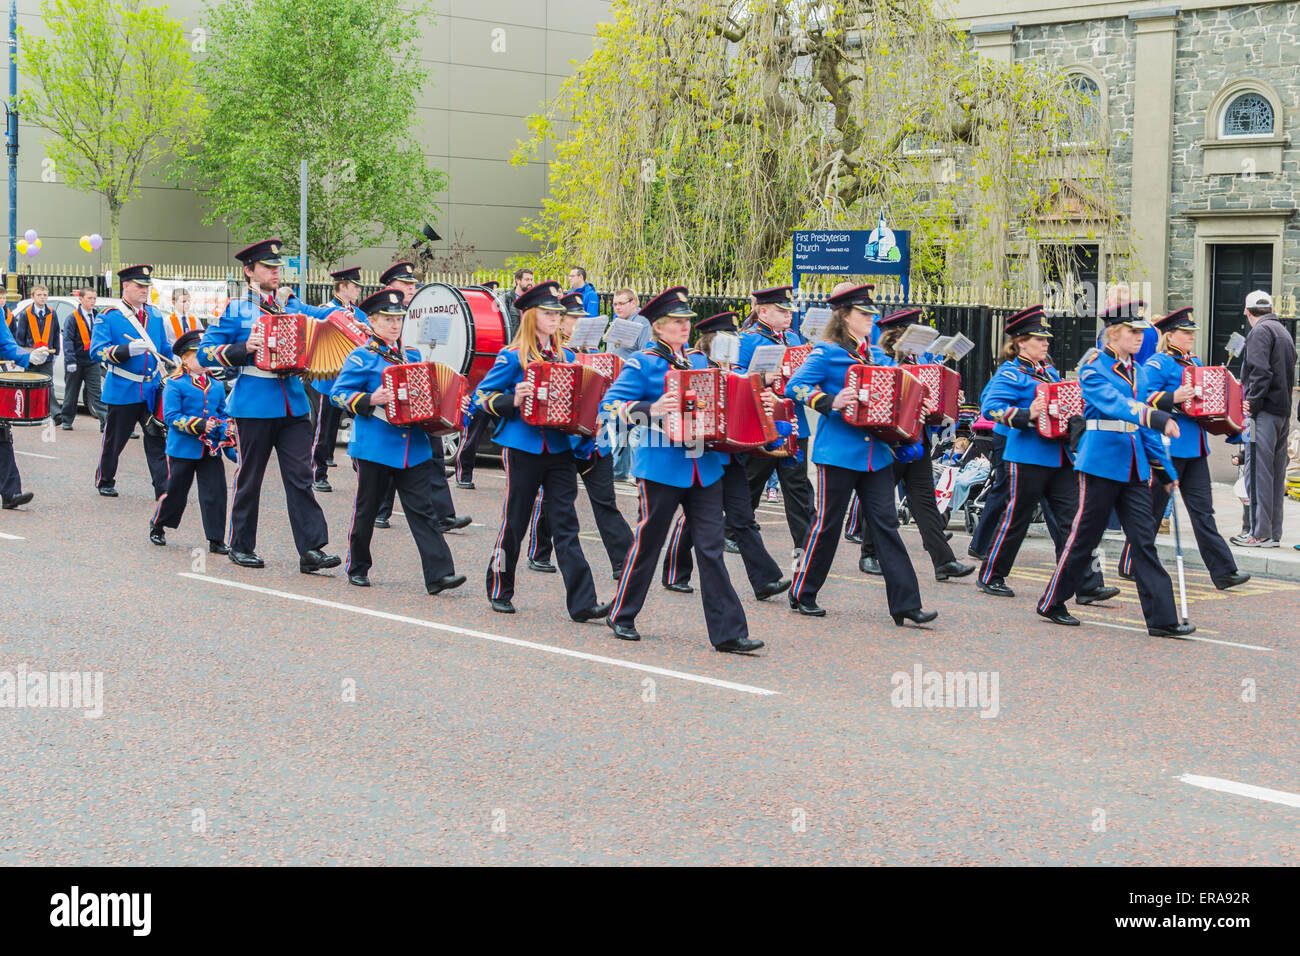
[(1236, 342), (916, 339), (941, 345), (960, 347), (725, 349), (588, 332), (814, 323), (767, 358), (622, 334), (435, 328)]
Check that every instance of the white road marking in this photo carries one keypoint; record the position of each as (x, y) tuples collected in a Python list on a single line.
[(32, 454), (484, 635), (1208, 640), (12, 537), (1242, 789)]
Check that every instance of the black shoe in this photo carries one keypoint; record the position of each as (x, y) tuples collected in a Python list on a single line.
[(67, 426), (916, 617), (318, 560), (729, 545), (809, 608), (1097, 596), (1059, 615), (360, 580), (135, 434), (321, 485), (624, 632), (853, 538), (467, 485), (947, 536), (13, 501), (995, 586), (593, 613), (157, 536), (1178, 630), (971, 552), (1223, 583), (109, 492), (869, 564), (680, 588), (773, 589), (738, 645), (454, 523), (217, 547), (544, 566), (382, 523), (446, 584), (449, 472), (952, 569), (1126, 577), (502, 607), (246, 560), (329, 463), (57, 419)]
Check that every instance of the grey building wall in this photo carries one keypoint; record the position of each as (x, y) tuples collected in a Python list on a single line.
[(470, 117)]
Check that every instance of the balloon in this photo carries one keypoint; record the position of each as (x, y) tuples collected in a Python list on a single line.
[(32, 250), (38, 244), (21, 246), (96, 240), (30, 235), (84, 242)]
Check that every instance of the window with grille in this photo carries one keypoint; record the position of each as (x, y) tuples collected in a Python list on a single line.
[(1085, 125), (1249, 114)]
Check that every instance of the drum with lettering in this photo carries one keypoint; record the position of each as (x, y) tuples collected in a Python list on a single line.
[(480, 326), (25, 397)]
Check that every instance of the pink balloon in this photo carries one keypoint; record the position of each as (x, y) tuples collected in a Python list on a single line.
[(96, 240), (32, 250)]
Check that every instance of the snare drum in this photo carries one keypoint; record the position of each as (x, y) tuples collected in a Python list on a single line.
[(25, 397), (481, 326)]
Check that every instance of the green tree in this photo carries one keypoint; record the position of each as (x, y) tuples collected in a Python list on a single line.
[(330, 81), (700, 133), (113, 80)]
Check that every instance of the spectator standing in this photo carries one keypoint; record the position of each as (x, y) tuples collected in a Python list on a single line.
[(38, 327), (578, 283), (80, 369)]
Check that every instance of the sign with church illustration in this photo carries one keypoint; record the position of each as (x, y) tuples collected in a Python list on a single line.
[(853, 252)]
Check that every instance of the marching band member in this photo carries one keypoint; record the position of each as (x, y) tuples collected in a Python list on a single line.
[(849, 459), (999, 493), (127, 340), (1163, 374), (198, 430), (535, 459), (11, 482), (1120, 451), (672, 476), (773, 315), (401, 276), (347, 287), (389, 456), (270, 412), (597, 473), (763, 572), (917, 476), (1038, 468)]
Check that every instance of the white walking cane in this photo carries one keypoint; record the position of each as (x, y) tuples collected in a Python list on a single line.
[(1178, 549)]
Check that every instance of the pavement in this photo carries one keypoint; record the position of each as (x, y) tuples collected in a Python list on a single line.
[(266, 716)]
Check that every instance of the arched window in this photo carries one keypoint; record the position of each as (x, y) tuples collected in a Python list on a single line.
[(1086, 127), (1249, 114)]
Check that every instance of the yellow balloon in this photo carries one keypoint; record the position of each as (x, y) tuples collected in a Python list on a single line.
[(38, 245), (84, 242), (21, 247)]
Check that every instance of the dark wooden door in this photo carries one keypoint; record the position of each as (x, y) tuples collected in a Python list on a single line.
[(1235, 271), (1076, 269)]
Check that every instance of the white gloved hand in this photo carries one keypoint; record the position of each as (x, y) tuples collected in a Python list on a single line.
[(70, 368), (39, 355), (137, 347)]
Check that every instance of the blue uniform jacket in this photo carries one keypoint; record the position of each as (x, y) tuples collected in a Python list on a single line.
[(130, 378), (1163, 373), (373, 439), (760, 334), (496, 396), (9, 350), (187, 406), (1006, 401), (256, 394), (1111, 393), (326, 385), (640, 385), (815, 384)]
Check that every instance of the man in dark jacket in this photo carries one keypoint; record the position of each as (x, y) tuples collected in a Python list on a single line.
[(37, 326), (1268, 375), (79, 368)]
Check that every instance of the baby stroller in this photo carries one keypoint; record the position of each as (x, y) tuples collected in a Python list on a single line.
[(981, 432)]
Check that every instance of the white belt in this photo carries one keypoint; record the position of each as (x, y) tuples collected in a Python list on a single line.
[(256, 372), (131, 376), (1109, 425)]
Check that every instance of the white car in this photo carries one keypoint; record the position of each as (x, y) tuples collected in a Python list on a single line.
[(64, 306)]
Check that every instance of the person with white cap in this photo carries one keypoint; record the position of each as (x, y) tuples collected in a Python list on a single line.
[(1267, 378)]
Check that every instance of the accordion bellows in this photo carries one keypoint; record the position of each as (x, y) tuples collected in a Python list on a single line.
[(721, 409), (314, 348), (566, 397), (942, 385), (428, 395), (1064, 400), (794, 357), (886, 401), (1216, 406), (606, 363)]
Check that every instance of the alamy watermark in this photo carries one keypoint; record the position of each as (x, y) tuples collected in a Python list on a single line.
[(68, 690), (946, 689)]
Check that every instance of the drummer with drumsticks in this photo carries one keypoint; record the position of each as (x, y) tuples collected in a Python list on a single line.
[(270, 411), (11, 482)]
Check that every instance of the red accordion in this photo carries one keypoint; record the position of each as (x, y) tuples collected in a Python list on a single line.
[(284, 342), (428, 395), (886, 401), (783, 411), (724, 410), (941, 387), (795, 356), (566, 396), (1064, 401), (1217, 403), (606, 363)]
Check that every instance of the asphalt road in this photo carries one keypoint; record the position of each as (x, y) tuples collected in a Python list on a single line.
[(266, 716)]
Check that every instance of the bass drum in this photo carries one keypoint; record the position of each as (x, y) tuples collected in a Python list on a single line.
[(481, 326)]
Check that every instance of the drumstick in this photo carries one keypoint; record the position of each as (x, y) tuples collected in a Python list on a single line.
[(169, 364), (1178, 549)]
